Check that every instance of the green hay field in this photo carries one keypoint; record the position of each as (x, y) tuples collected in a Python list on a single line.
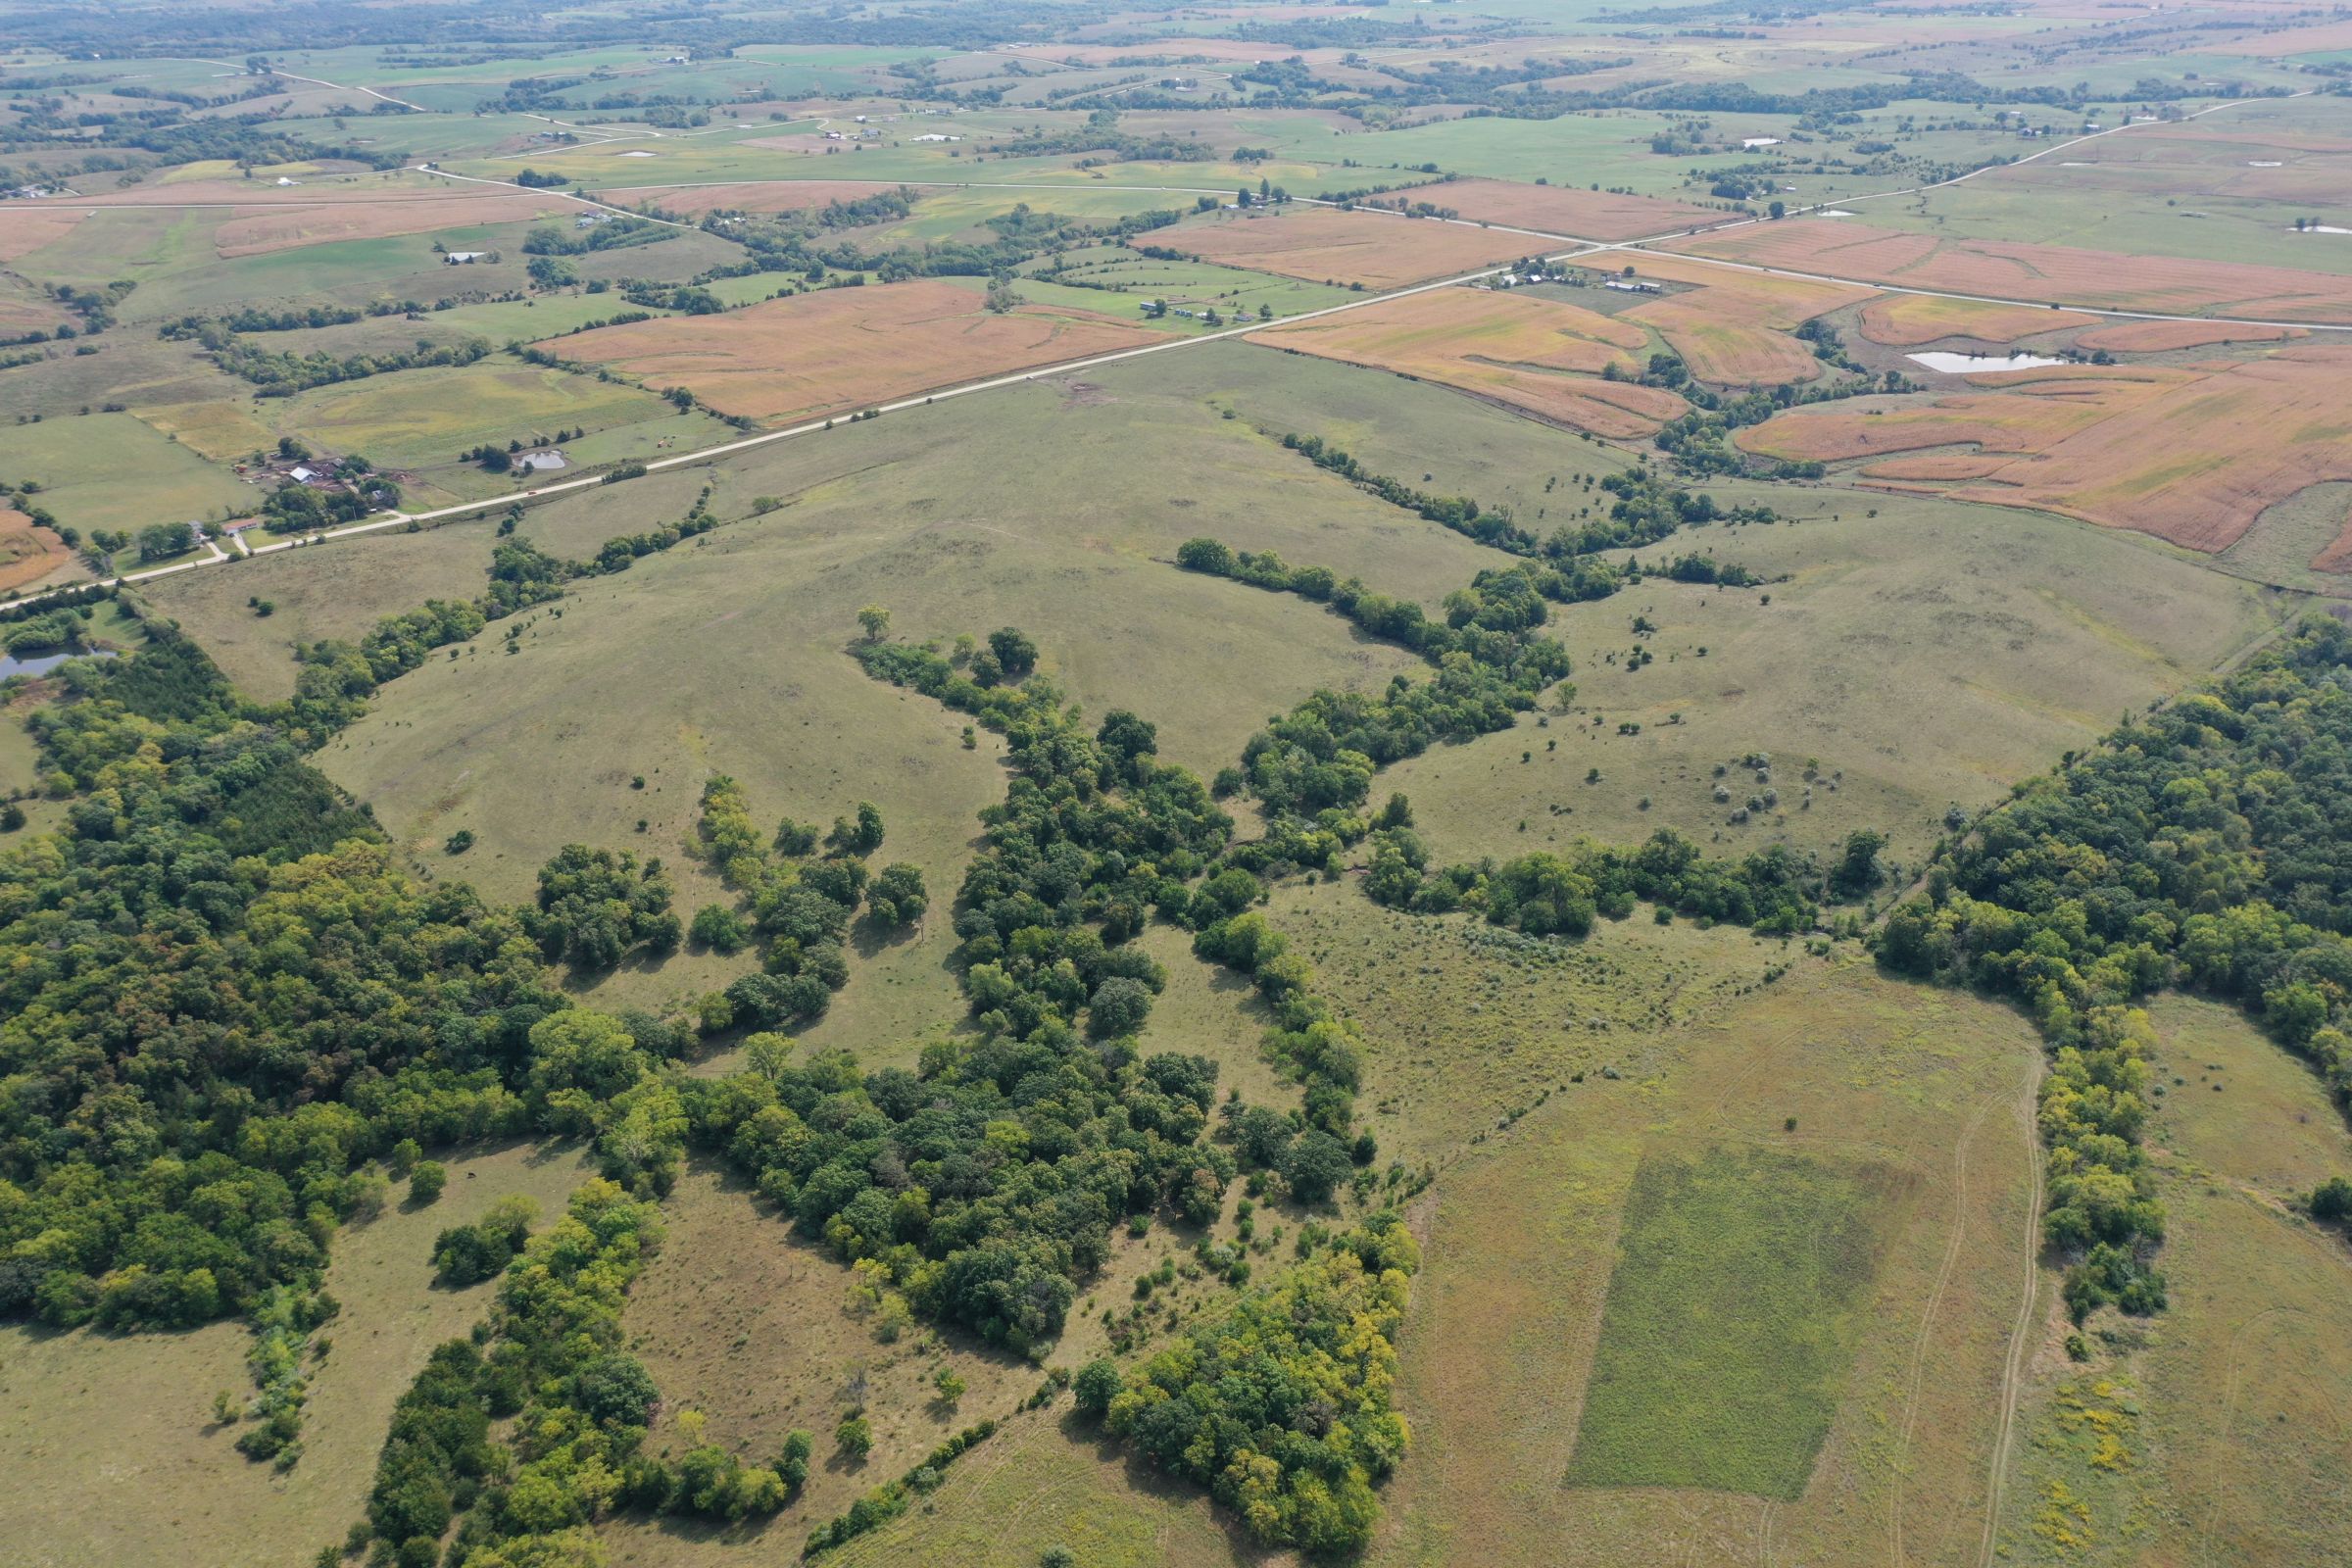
[(110, 470), (1731, 1322)]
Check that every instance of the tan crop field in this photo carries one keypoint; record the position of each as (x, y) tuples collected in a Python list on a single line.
[(1732, 328), (292, 226), (1322, 244), (1533, 354), (31, 556), (2157, 337), (841, 349), (25, 227), (2178, 452), (1908, 321), (1560, 209), (2056, 273)]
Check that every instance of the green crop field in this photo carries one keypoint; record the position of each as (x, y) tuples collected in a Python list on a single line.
[(1731, 1322)]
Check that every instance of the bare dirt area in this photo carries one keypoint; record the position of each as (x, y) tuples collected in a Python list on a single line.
[(843, 349)]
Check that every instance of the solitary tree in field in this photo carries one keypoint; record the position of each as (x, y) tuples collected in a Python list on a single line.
[(876, 620)]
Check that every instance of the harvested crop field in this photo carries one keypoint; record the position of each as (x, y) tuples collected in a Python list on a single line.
[(1515, 348), (2179, 452), (1908, 320), (2155, 337), (743, 196), (2057, 273), (1732, 328), (843, 349), (287, 226), (25, 230), (1560, 209), (1322, 244), (28, 554)]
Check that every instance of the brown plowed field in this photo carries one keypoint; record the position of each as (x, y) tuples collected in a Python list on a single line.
[(1560, 209), (2053, 273), (845, 349), (1908, 321), (1533, 354), (1322, 244), (2191, 453)]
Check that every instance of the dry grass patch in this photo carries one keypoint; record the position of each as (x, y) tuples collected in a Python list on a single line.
[(1323, 244), (124, 1465), (1928, 1092), (2058, 274), (1533, 354), (841, 349), (26, 228)]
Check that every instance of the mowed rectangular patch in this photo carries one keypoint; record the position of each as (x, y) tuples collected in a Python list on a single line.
[(1533, 354), (1326, 245), (1732, 1315), (841, 349)]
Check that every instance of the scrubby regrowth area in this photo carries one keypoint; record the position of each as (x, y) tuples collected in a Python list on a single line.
[(1085, 786)]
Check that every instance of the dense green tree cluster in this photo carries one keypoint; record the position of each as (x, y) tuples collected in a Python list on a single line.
[(988, 1180), (1561, 893), (611, 233), (2209, 845), (279, 374), (467, 1255), (206, 1032), (550, 1356), (798, 901), (1282, 1406), (595, 907), (1320, 758)]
